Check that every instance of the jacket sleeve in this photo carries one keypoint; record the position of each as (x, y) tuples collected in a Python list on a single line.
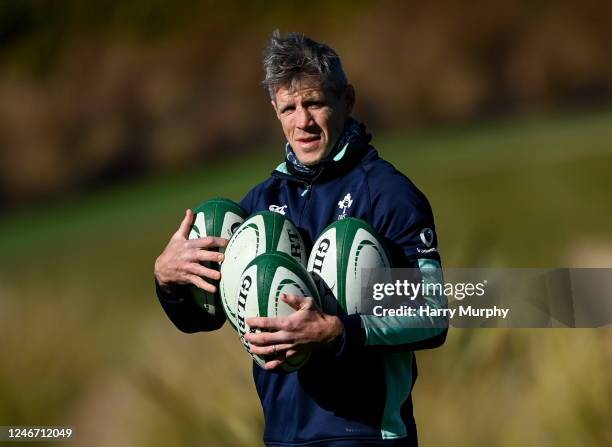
[(401, 214), (183, 311), (179, 305)]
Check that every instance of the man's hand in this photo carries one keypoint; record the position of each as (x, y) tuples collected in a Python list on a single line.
[(180, 261), (303, 331)]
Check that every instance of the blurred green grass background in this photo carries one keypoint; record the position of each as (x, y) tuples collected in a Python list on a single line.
[(85, 342)]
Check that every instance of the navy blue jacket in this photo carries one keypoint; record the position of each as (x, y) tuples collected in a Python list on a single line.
[(358, 392)]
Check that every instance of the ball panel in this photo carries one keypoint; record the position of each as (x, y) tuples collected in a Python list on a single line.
[(366, 252), (323, 263), (247, 299), (262, 232), (346, 230), (230, 223), (215, 211), (282, 235), (198, 228), (287, 282), (339, 254), (224, 209), (267, 277), (246, 244), (274, 224), (328, 302), (207, 301), (248, 306), (215, 217), (282, 259), (290, 241)]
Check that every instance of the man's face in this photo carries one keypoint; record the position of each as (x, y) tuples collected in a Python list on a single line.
[(312, 118)]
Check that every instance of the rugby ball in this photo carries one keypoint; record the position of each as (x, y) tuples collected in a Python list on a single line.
[(261, 233), (219, 218), (336, 261), (263, 281)]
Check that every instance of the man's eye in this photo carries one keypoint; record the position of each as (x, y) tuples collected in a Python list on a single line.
[(288, 109), (315, 105)]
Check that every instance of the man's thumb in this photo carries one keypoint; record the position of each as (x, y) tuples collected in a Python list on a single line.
[(183, 230)]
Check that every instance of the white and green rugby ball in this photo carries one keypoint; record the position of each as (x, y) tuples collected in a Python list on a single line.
[(336, 261), (261, 233), (219, 218), (261, 284)]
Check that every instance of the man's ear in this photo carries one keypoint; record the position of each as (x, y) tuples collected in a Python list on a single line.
[(349, 97), (275, 108)]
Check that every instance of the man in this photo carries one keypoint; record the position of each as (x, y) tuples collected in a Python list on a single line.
[(355, 390)]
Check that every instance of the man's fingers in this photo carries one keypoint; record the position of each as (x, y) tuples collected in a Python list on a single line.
[(268, 338), (183, 230), (209, 242), (265, 323), (201, 284), (270, 349), (273, 364), (205, 255), (295, 301), (200, 270)]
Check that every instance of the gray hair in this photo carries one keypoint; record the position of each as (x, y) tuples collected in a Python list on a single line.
[(290, 58)]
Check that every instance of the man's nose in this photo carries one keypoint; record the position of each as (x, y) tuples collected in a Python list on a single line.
[(304, 118)]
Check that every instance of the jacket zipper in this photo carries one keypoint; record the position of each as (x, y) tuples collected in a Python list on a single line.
[(306, 194)]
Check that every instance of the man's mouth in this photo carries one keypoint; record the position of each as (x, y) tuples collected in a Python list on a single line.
[(309, 138), (310, 141)]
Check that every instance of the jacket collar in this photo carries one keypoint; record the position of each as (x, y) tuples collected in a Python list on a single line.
[(347, 153)]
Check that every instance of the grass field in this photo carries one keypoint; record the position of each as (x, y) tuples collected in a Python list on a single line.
[(86, 344)]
